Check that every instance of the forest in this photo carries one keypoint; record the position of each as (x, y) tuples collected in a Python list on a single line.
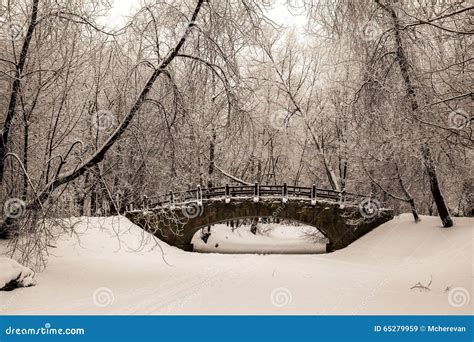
[(372, 97)]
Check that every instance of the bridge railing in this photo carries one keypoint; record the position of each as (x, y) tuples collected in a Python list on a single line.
[(232, 191)]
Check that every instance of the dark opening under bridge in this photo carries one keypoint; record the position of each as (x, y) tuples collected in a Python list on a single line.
[(342, 217)]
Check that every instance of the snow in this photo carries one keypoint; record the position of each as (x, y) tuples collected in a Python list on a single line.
[(13, 271), (270, 238), (116, 268)]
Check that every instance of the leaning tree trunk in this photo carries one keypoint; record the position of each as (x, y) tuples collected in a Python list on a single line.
[(414, 211), (443, 211), (410, 200), (411, 94)]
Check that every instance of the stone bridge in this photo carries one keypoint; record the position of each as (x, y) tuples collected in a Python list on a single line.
[(341, 217)]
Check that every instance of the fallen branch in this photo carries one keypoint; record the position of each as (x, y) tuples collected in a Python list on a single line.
[(422, 287), (238, 180)]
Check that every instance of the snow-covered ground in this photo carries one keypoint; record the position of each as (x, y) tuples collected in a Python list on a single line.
[(12, 272), (269, 238), (116, 268)]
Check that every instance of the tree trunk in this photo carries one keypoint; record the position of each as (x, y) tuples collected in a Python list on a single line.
[(411, 94), (411, 201), (25, 160), (16, 88), (443, 211), (212, 152), (79, 201), (253, 226), (210, 180)]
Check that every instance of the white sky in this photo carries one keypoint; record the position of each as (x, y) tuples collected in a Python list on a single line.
[(120, 10), (279, 14)]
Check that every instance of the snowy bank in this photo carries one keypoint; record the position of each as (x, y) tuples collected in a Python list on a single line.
[(13, 275), (114, 267)]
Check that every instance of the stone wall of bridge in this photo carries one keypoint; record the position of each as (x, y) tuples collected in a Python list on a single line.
[(341, 224)]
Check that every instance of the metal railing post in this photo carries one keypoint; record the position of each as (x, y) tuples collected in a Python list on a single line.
[(256, 192), (227, 194), (199, 195), (285, 193), (313, 195), (342, 198)]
